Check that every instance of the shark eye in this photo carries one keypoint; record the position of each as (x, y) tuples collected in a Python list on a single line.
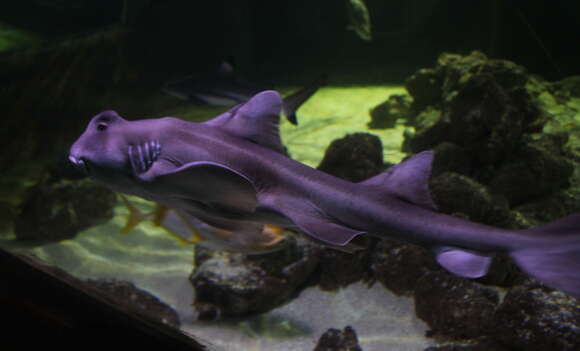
[(101, 127)]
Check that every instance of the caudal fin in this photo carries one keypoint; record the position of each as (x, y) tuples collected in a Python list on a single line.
[(554, 258)]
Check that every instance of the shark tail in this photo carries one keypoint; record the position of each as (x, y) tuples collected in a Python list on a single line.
[(292, 102), (552, 255)]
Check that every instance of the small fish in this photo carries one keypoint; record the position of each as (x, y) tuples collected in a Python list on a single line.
[(359, 19), (188, 230), (231, 173), (223, 88)]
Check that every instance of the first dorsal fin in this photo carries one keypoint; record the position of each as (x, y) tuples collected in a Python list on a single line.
[(256, 120), (409, 180)]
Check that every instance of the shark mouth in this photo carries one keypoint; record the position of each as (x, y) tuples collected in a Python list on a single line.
[(144, 155)]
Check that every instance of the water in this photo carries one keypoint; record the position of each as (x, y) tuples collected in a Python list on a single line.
[(61, 63)]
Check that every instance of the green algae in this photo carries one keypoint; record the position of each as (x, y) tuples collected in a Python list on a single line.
[(334, 112)]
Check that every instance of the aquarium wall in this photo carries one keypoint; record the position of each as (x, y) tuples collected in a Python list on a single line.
[(383, 196)]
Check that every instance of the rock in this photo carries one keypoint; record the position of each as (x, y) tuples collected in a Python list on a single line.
[(355, 157), (452, 72), (398, 266), (337, 340), (385, 115), (535, 318), (536, 171), (479, 344), (430, 130), (489, 121), (450, 158), (457, 70), (231, 285), (568, 87), (483, 106), (551, 208), (453, 307), (53, 211), (455, 193), (338, 269), (425, 88), (486, 126), (484, 118), (128, 295)]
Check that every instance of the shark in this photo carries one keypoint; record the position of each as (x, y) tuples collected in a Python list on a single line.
[(231, 174), (223, 88)]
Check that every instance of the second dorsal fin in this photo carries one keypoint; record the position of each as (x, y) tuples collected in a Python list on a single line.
[(408, 180)]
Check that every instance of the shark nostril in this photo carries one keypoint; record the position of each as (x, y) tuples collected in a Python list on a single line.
[(80, 162)]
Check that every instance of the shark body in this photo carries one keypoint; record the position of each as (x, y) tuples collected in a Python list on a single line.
[(231, 173)]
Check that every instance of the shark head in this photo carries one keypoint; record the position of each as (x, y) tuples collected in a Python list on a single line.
[(112, 151)]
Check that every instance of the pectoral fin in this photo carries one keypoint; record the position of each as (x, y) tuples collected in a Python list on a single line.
[(210, 182), (311, 221), (467, 264)]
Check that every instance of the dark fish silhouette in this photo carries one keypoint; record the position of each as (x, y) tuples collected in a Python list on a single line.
[(223, 88), (230, 173)]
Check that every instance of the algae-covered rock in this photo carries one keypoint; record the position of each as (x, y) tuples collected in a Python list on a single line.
[(475, 102), (547, 208), (231, 285), (450, 157), (535, 173), (454, 307), (452, 72), (568, 87), (479, 344), (456, 70), (338, 340), (535, 318), (430, 130), (355, 157), (456, 193), (58, 210), (484, 122), (399, 266), (425, 87), (385, 115), (338, 269), (483, 117)]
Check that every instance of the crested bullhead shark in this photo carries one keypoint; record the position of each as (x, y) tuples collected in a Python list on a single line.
[(231, 175)]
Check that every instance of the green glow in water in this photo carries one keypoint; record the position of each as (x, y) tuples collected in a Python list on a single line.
[(12, 38)]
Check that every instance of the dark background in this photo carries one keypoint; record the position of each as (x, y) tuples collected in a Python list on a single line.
[(284, 38)]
